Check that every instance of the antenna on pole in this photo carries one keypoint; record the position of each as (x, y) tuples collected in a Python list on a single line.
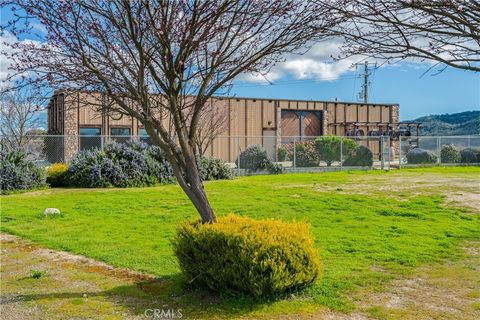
[(363, 95)]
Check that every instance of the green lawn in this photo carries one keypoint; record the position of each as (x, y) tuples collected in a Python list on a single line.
[(370, 226)]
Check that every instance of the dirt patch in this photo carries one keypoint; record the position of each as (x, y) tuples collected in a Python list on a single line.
[(445, 291), (470, 200), (68, 286), (69, 259)]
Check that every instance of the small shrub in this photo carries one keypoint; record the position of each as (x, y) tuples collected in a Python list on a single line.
[(361, 157), (330, 147), (449, 154), (57, 175), (121, 165), (282, 154), (19, 173), (420, 156), (239, 255), (274, 168), (213, 169), (305, 155), (253, 158), (37, 274), (470, 155)]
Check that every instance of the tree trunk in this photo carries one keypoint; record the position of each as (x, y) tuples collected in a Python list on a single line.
[(189, 179), (199, 199)]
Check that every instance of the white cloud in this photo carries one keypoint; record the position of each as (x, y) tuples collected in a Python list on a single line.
[(317, 63), (6, 41), (264, 78), (307, 68)]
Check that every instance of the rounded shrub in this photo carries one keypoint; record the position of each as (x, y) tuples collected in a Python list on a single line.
[(449, 154), (213, 168), (274, 168), (420, 156), (253, 158), (282, 154), (19, 173), (361, 157), (306, 155), (120, 165), (243, 256), (329, 148), (470, 155), (57, 175)]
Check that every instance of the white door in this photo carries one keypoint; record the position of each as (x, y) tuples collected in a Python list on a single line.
[(269, 143)]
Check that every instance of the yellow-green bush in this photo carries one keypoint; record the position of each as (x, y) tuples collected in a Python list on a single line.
[(57, 175), (239, 255)]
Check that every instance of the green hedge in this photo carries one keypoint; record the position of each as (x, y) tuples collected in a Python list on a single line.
[(57, 175), (239, 255), (213, 169)]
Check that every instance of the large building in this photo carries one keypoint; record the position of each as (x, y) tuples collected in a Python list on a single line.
[(250, 121)]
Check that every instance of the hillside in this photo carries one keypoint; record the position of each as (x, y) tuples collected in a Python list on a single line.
[(453, 124)]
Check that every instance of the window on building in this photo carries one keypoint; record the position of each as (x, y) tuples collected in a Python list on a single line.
[(120, 135), (90, 138), (143, 135)]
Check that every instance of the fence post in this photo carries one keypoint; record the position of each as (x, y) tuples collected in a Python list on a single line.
[(399, 152), (389, 152), (238, 154), (382, 157), (341, 154), (294, 154), (439, 158)]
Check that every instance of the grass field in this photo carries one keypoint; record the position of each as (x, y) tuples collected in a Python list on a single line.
[(371, 227)]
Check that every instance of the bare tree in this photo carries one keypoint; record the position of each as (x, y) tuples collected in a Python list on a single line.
[(446, 32), (157, 59), (20, 114), (213, 122)]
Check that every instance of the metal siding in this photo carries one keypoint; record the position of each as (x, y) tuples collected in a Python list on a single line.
[(385, 114), (362, 113), (284, 104), (254, 118), (351, 111), (268, 114), (374, 114), (340, 112)]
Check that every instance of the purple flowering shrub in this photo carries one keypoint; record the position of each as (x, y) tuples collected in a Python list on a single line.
[(19, 173), (131, 164)]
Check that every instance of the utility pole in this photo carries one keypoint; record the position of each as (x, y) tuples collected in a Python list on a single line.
[(366, 73), (365, 83)]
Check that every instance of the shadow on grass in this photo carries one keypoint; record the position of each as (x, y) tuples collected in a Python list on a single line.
[(163, 293)]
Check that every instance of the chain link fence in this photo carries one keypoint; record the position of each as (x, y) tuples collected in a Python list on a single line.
[(438, 150), (290, 154)]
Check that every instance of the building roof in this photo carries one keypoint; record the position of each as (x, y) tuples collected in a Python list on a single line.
[(269, 99)]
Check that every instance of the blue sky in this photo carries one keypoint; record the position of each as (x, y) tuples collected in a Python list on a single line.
[(450, 91), (310, 77)]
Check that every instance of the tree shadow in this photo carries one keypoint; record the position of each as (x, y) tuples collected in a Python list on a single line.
[(170, 293)]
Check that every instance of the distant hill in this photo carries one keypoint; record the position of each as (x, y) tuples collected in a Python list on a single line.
[(453, 124)]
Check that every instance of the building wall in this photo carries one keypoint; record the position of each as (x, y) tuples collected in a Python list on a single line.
[(249, 119)]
